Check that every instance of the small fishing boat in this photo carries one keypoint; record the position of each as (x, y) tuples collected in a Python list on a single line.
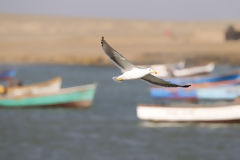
[(174, 94), (164, 70), (219, 93), (77, 97), (191, 71), (180, 70), (7, 74), (205, 79), (216, 84), (209, 84), (193, 94), (192, 113), (49, 86)]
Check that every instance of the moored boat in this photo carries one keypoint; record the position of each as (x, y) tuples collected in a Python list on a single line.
[(164, 70), (205, 79), (78, 97), (224, 83), (192, 71), (180, 70), (160, 113), (7, 74), (49, 86), (212, 93), (173, 94), (219, 93)]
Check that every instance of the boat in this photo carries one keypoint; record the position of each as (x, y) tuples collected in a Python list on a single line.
[(219, 93), (49, 86), (180, 70), (77, 97), (174, 94), (190, 113), (205, 79), (7, 74), (191, 71), (208, 84), (164, 70), (193, 94), (216, 84)]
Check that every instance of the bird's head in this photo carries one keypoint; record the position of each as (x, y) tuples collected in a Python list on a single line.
[(152, 71)]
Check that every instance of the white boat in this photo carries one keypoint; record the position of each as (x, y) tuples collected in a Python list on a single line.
[(191, 71), (164, 70), (159, 113)]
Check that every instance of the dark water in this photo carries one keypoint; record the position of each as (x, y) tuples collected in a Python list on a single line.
[(110, 129)]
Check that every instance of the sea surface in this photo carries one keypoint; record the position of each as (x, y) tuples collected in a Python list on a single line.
[(109, 130)]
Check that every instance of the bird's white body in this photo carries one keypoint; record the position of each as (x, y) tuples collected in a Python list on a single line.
[(134, 73)]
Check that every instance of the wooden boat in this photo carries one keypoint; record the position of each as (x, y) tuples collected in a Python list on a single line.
[(193, 113), (179, 69), (219, 93), (49, 86), (216, 84), (212, 93), (205, 79), (173, 94), (7, 74), (209, 84), (191, 71), (80, 97)]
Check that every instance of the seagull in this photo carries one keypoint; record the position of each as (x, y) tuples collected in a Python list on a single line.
[(131, 72)]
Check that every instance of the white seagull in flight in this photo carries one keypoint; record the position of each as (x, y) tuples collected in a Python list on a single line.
[(131, 71)]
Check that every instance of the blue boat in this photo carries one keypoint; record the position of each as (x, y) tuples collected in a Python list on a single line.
[(219, 93), (7, 74), (205, 79), (165, 93), (214, 93)]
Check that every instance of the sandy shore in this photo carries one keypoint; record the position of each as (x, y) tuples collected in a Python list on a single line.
[(65, 40)]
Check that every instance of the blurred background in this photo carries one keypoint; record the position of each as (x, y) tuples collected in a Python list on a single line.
[(49, 38), (146, 32)]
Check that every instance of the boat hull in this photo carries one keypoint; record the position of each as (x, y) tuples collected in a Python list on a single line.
[(197, 70), (160, 113), (205, 79), (83, 104), (212, 93), (8, 74), (176, 94), (81, 96)]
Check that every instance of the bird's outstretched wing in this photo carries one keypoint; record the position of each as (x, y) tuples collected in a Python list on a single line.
[(120, 61), (157, 81)]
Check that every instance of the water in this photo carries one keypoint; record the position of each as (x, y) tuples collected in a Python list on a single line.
[(109, 129)]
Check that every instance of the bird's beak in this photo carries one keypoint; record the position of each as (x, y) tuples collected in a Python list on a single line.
[(155, 72)]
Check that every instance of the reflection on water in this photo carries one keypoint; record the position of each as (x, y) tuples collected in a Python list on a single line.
[(109, 129), (176, 125)]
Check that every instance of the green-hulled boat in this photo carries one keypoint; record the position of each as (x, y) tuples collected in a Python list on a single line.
[(80, 97)]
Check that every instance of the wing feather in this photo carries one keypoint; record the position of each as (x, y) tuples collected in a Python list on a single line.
[(120, 61), (160, 82)]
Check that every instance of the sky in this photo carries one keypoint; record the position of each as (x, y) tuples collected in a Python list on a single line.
[(173, 10)]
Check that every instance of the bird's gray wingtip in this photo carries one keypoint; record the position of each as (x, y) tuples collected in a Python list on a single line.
[(102, 40), (186, 86)]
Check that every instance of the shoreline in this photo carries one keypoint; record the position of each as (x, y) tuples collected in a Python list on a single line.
[(55, 40)]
